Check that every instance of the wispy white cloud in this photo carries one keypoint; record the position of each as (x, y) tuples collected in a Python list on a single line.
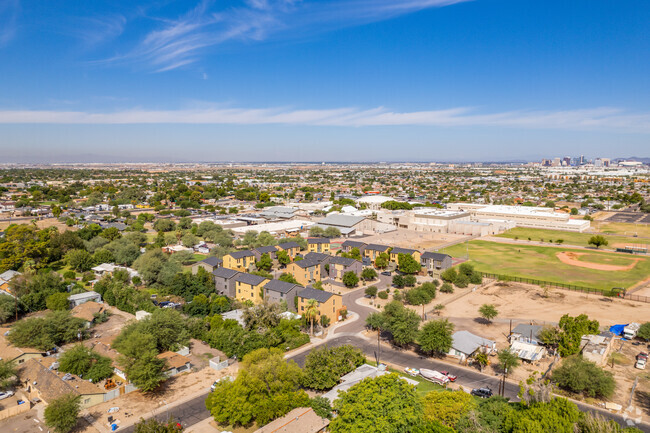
[(183, 40), (8, 20), (595, 119), (94, 30)]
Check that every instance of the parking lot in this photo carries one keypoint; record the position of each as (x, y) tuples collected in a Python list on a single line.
[(629, 217)]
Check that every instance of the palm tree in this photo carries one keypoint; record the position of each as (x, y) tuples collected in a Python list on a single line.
[(311, 313)]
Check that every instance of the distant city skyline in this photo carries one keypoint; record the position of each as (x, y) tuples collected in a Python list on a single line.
[(330, 80)]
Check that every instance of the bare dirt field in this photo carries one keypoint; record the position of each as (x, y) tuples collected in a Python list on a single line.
[(412, 239), (176, 389), (41, 224), (573, 258)]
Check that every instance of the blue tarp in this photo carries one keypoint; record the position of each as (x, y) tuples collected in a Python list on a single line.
[(617, 329)]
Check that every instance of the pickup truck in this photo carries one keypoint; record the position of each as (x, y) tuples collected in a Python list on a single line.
[(641, 360)]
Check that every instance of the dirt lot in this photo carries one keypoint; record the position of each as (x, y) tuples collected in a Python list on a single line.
[(138, 405), (42, 224), (412, 239), (527, 304)]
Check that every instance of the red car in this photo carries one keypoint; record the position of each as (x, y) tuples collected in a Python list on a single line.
[(451, 377)]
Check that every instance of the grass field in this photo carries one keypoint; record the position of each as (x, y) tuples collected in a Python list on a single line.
[(641, 230), (540, 262), (570, 238)]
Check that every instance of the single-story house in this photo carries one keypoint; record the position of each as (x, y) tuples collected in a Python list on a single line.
[(209, 264), (362, 372), (527, 351), (465, 344), (9, 352), (435, 262), (596, 348), (109, 268), (175, 363), (80, 298), (299, 420), (527, 333), (87, 311), (48, 385), (236, 315)]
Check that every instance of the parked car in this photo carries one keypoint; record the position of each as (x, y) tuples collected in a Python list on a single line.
[(641, 360), (482, 392), (5, 394), (387, 273), (451, 377)]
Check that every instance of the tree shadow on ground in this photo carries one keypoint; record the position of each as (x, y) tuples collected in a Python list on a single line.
[(642, 399)]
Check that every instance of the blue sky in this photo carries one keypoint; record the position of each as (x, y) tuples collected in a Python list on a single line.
[(325, 80)]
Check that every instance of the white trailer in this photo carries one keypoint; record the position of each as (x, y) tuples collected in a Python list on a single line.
[(434, 376), (631, 330)]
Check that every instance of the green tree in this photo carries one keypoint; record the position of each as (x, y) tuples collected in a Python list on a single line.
[(368, 274), (58, 302), (86, 363), (583, 377), (435, 336), (402, 323), (61, 414), (283, 257), (350, 279), (507, 360), (164, 225), (644, 331), (288, 278), (321, 407), (152, 425), (264, 263), (598, 241), (398, 281), (447, 407), (449, 275), (386, 404), (79, 260), (7, 374), (146, 372), (371, 291), (488, 312), (111, 233), (43, 333), (382, 260), (324, 366), (573, 328), (267, 387), (311, 313), (332, 232), (447, 288), (407, 264)]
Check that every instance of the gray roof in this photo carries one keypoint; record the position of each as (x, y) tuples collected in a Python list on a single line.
[(338, 220), (212, 261), (251, 279), (525, 330), (242, 254), (318, 241), (317, 257), (377, 247), (311, 293), (265, 250), (353, 244), (398, 250), (467, 343), (280, 286), (435, 256), (84, 295), (307, 263), (224, 273), (288, 245), (345, 261)]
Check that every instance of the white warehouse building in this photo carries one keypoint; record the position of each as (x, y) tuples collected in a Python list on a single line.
[(522, 216)]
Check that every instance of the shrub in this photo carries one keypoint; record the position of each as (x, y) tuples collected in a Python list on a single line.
[(69, 275), (583, 377), (383, 295), (410, 280), (371, 291), (461, 281), (476, 278), (447, 288), (449, 275)]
